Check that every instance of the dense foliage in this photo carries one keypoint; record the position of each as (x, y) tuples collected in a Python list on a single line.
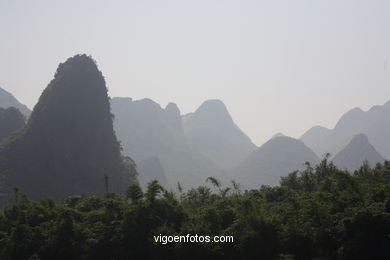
[(319, 213), (68, 144)]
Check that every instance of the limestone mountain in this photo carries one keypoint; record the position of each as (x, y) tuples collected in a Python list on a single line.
[(68, 145), (277, 135), (146, 130), (277, 157), (8, 100), (212, 131), (374, 123), (11, 120), (357, 151), (185, 117), (314, 137), (151, 169)]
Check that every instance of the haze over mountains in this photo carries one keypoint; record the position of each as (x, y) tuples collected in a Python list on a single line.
[(374, 123), (146, 130), (357, 151), (211, 131), (70, 139), (208, 144), (268, 163), (210, 137), (151, 169), (8, 100)]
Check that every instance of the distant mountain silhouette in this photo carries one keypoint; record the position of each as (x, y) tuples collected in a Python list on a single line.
[(374, 123), (358, 150), (185, 117), (211, 131), (314, 138), (68, 145), (277, 157), (147, 130), (278, 135), (151, 169), (11, 120), (8, 100)]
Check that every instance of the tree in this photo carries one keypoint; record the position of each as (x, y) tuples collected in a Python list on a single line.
[(153, 190), (134, 192)]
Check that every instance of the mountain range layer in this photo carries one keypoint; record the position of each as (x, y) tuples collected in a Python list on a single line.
[(277, 157), (69, 138), (374, 123), (211, 131), (146, 130), (356, 152), (8, 100)]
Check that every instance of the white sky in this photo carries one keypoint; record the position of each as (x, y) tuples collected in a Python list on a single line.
[(279, 66)]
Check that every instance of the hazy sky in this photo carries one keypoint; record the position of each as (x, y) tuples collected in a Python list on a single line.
[(279, 66)]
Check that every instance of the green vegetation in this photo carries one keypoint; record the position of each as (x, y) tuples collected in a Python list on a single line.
[(319, 213), (68, 145)]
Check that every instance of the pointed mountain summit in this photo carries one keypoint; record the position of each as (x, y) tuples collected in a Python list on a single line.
[(313, 138), (8, 100), (277, 135), (357, 151), (146, 130), (173, 115), (212, 113), (277, 157), (353, 118), (374, 123), (212, 131), (68, 145)]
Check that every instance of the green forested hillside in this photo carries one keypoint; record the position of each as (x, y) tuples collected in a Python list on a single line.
[(68, 145), (319, 213)]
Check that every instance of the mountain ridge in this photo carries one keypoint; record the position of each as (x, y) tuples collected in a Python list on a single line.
[(8, 100), (212, 131), (356, 152), (146, 130), (374, 123), (275, 158)]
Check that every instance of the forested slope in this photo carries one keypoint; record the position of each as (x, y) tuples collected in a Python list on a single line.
[(318, 213)]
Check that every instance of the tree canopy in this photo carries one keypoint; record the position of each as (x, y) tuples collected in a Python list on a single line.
[(321, 212)]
